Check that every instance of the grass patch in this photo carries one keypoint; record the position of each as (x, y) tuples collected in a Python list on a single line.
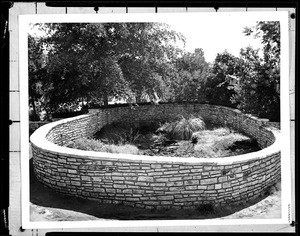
[(174, 139), (118, 134), (98, 146), (220, 142)]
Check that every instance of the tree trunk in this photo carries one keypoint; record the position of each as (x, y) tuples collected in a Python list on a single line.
[(105, 100), (138, 97), (34, 109)]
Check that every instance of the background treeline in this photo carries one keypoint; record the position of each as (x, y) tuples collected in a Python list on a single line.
[(73, 66)]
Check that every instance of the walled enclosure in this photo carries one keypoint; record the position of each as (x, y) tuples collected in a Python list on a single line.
[(155, 182)]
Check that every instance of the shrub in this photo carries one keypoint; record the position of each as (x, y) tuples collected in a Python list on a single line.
[(183, 128)]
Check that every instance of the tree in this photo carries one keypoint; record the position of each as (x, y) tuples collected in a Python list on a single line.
[(257, 89), (269, 33), (218, 87), (98, 62), (189, 79), (36, 74), (148, 64)]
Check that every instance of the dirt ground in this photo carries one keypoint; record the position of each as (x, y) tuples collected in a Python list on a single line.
[(47, 205)]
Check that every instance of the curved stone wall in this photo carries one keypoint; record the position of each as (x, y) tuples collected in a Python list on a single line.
[(155, 182)]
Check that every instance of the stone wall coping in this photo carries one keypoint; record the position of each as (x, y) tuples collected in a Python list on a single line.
[(38, 138)]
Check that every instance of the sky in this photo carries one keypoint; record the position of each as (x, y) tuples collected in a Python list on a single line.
[(217, 36), (214, 34)]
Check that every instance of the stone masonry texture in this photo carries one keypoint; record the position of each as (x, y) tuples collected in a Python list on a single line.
[(153, 184)]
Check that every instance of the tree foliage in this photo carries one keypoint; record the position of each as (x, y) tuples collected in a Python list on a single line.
[(218, 90), (189, 79), (258, 86), (36, 74), (92, 62)]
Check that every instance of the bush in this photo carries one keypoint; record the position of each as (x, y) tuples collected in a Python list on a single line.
[(183, 128), (96, 145)]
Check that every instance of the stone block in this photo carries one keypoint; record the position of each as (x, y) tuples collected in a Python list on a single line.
[(208, 181), (107, 163), (226, 185), (72, 171), (218, 186), (159, 184), (119, 186), (62, 170), (176, 188), (97, 179), (137, 191), (60, 160), (155, 166), (222, 179), (158, 188), (156, 173), (244, 167), (76, 183), (165, 198), (61, 184), (145, 178), (196, 170), (207, 168), (142, 183), (192, 187), (179, 200), (215, 172), (178, 183), (151, 203), (161, 179), (184, 171), (132, 199), (132, 186), (110, 190), (175, 179), (191, 182), (117, 178), (197, 177), (166, 203), (172, 172)]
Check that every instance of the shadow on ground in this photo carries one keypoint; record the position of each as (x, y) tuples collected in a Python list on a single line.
[(43, 197)]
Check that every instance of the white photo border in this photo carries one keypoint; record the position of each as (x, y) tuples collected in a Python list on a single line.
[(25, 20)]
